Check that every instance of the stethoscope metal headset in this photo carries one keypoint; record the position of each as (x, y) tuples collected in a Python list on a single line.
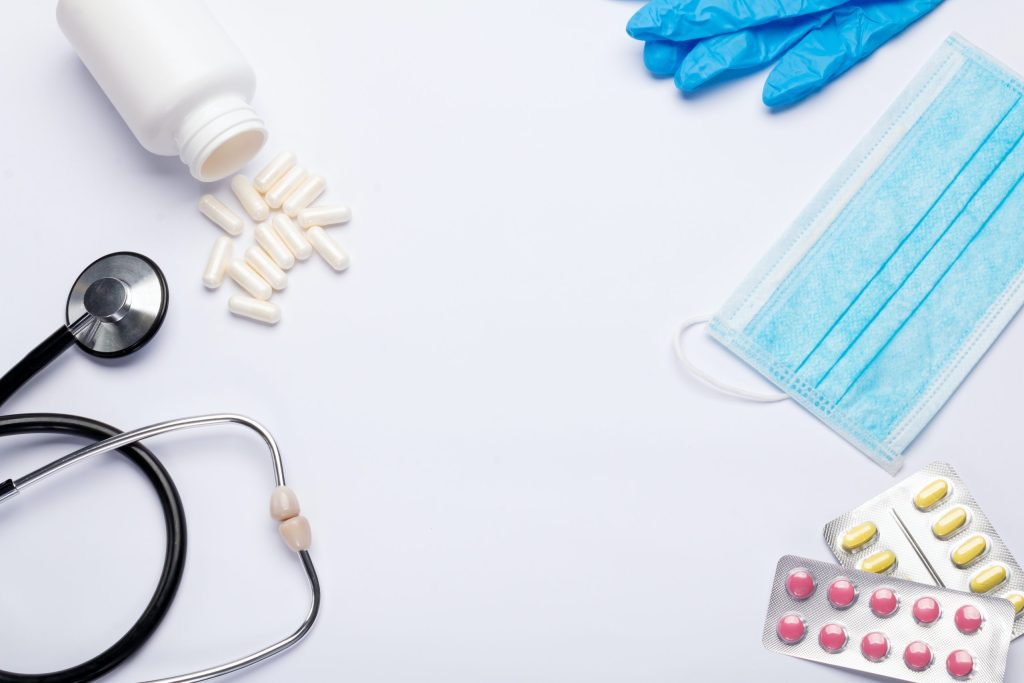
[(115, 307)]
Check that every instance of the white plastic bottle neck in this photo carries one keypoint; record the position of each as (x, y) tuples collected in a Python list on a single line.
[(219, 136)]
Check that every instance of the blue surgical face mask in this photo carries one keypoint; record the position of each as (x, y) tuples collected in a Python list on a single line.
[(905, 268)]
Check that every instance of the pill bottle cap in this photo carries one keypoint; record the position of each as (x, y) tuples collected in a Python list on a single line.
[(219, 137)]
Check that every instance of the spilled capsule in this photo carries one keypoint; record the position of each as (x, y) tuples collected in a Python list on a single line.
[(217, 265), (283, 188), (327, 247), (249, 280), (323, 215), (293, 236), (267, 238), (250, 199), (255, 309), (310, 188), (265, 266), (274, 171), (221, 216)]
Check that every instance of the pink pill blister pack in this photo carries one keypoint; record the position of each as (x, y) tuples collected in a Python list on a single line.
[(885, 626), (928, 528)]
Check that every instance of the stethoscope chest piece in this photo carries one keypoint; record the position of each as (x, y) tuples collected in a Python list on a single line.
[(117, 304)]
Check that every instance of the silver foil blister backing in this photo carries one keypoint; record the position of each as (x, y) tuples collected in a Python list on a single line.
[(989, 646)]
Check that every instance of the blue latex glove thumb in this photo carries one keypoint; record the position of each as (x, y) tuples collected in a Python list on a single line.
[(663, 57), (850, 35), (685, 20)]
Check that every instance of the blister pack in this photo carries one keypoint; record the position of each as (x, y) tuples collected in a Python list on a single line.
[(929, 529), (885, 626)]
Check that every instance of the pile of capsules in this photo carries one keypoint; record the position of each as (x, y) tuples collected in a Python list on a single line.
[(288, 228), (945, 595)]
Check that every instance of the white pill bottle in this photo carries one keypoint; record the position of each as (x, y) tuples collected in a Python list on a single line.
[(178, 81)]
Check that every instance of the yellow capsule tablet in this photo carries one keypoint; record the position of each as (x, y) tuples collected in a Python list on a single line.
[(969, 551), (931, 494), (1017, 600), (879, 563), (988, 578), (949, 523), (859, 536)]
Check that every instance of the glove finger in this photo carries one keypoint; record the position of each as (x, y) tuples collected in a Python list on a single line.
[(851, 35), (742, 51), (682, 20), (663, 57)]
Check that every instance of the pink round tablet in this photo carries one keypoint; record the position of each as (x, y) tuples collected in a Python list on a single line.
[(842, 593), (832, 638), (791, 628), (960, 664), (917, 656), (874, 646), (968, 620), (884, 602), (800, 584), (927, 610)]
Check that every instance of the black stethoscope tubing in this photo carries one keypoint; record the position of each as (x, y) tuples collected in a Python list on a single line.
[(167, 493)]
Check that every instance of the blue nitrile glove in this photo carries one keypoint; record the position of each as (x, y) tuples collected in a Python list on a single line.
[(815, 41)]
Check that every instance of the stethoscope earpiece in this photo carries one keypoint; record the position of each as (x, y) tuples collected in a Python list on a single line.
[(117, 304)]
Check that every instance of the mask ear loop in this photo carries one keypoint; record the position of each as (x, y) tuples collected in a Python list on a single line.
[(710, 381)]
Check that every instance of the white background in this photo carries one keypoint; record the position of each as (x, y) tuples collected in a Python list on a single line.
[(508, 476)]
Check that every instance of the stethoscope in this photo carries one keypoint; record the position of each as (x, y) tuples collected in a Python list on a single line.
[(115, 308)]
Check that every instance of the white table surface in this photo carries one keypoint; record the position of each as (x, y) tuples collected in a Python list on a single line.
[(508, 476)]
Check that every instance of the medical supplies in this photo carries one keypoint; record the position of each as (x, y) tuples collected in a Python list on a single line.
[(855, 620), (220, 215), (256, 309), (249, 280), (904, 269), (175, 77), (929, 529), (304, 195), (323, 216), (293, 235), (291, 230), (327, 247), (815, 41), (116, 306), (250, 199), (217, 265)]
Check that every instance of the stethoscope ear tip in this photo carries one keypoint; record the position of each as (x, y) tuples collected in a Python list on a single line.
[(117, 304)]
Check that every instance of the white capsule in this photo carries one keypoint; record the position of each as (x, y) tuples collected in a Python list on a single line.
[(267, 238), (273, 171), (328, 248), (217, 264), (263, 311), (265, 266), (311, 188), (293, 236), (249, 198), (324, 215), (283, 188), (249, 280), (221, 215)]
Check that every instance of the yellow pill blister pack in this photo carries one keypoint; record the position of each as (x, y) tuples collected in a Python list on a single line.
[(929, 529)]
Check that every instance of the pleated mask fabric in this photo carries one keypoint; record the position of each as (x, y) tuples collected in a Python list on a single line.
[(904, 269)]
